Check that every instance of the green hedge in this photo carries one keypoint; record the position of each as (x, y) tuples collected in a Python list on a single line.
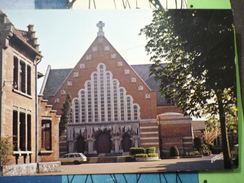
[(152, 154), (137, 150), (143, 152), (151, 150), (141, 155)]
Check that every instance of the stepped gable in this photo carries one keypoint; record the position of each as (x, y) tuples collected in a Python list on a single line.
[(23, 38)]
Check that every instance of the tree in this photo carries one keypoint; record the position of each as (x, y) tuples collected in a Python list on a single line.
[(199, 76), (66, 115), (211, 134), (6, 149)]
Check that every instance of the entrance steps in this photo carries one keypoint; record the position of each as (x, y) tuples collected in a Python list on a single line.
[(149, 134)]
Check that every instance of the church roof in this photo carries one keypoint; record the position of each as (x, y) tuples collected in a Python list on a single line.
[(54, 80), (56, 77)]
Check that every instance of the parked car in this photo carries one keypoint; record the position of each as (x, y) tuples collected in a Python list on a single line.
[(75, 158), (234, 154)]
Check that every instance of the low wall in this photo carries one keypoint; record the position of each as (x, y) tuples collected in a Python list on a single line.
[(19, 170), (46, 167), (31, 168)]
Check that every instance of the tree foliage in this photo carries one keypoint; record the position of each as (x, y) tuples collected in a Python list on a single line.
[(66, 115), (211, 134), (6, 150), (199, 74)]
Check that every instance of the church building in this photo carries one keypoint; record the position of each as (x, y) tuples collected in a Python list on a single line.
[(115, 106)]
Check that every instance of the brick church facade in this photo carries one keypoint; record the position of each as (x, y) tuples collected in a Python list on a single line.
[(115, 105)]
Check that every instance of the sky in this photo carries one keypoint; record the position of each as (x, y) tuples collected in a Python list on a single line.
[(65, 35)]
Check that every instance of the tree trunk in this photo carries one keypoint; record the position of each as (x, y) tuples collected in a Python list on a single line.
[(238, 14), (225, 140)]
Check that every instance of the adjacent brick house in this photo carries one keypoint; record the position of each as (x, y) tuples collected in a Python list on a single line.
[(114, 105), (19, 57)]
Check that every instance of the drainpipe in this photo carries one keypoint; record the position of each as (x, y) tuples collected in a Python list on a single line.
[(37, 60)]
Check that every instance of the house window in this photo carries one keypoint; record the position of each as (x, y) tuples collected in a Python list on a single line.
[(15, 131), (29, 132), (46, 135), (28, 80), (22, 121), (22, 76), (21, 131)]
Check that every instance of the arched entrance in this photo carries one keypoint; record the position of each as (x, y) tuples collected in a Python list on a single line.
[(80, 145), (126, 143), (103, 143)]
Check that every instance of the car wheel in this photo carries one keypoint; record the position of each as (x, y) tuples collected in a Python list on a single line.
[(76, 162)]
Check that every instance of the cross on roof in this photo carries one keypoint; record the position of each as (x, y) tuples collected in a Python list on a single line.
[(100, 26)]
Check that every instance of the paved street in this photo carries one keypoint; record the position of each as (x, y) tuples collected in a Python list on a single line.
[(165, 165)]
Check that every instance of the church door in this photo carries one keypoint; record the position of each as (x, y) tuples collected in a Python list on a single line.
[(103, 143), (80, 144), (126, 143)]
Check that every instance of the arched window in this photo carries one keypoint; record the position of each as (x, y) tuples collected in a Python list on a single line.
[(102, 99)]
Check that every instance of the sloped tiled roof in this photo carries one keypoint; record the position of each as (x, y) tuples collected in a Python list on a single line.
[(57, 76), (55, 79)]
